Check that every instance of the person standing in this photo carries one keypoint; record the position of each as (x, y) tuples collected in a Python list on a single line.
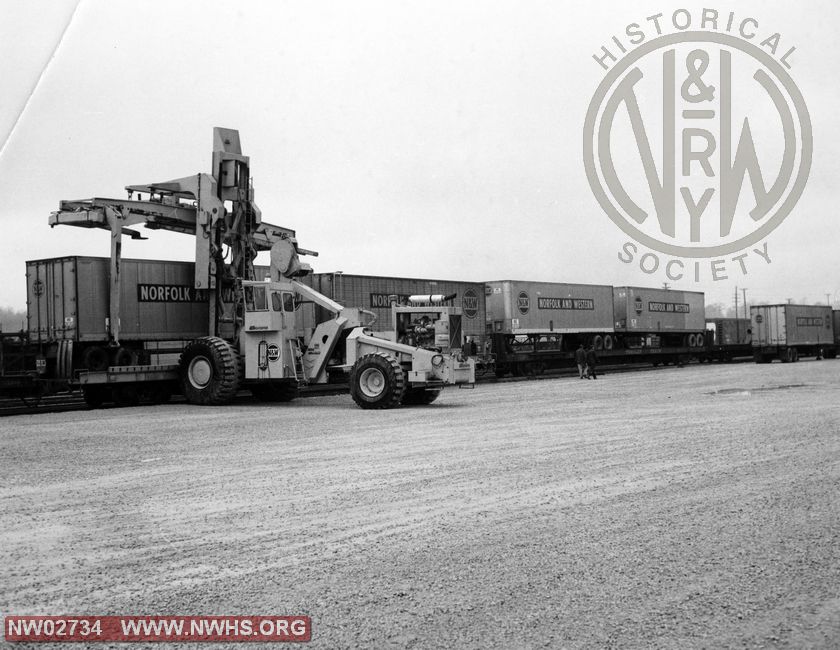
[(591, 363), (580, 360)]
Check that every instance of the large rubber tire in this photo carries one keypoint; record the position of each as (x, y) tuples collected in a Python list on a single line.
[(278, 391), (377, 381), (210, 371), (608, 342), (416, 396)]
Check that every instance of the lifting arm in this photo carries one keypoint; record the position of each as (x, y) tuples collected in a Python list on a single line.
[(218, 209)]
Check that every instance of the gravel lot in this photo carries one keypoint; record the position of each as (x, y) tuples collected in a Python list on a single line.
[(693, 507)]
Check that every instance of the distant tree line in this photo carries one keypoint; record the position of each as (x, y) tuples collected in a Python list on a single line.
[(12, 320)]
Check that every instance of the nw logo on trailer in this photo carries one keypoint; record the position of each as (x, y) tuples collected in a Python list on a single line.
[(470, 303), (523, 302), (697, 143)]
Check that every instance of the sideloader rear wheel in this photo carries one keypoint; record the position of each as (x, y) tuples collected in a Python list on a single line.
[(210, 371), (377, 381)]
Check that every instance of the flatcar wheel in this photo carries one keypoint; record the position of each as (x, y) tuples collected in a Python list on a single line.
[(94, 396), (126, 395)]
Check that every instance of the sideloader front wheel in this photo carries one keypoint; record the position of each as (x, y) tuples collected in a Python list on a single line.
[(377, 381)]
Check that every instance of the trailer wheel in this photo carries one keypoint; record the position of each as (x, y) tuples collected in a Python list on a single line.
[(701, 340), (125, 357), (284, 391), (377, 381), (692, 340), (210, 371), (95, 358), (608, 342), (598, 342), (790, 355), (420, 396)]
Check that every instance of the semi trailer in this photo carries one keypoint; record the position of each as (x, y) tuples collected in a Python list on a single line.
[(788, 332)]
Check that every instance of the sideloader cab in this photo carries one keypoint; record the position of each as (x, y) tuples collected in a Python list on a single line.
[(267, 340)]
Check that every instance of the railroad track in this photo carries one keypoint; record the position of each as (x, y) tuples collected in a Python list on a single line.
[(74, 401)]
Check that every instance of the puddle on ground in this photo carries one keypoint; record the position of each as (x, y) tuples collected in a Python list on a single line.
[(750, 391)]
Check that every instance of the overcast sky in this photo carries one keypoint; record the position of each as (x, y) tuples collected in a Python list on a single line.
[(422, 139)]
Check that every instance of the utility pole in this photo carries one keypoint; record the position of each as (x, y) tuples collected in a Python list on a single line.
[(828, 299), (736, 301), (744, 292), (666, 286)]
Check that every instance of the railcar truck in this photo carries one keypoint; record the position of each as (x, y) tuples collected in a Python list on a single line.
[(252, 335)]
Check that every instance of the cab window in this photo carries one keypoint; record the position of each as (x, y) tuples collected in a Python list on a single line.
[(255, 299), (288, 301)]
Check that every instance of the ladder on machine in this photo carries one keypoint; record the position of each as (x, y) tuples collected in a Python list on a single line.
[(297, 361)]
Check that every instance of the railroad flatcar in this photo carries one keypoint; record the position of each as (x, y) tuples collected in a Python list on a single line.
[(538, 325), (727, 339)]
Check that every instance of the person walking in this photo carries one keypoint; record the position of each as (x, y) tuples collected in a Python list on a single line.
[(591, 363), (580, 360)]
